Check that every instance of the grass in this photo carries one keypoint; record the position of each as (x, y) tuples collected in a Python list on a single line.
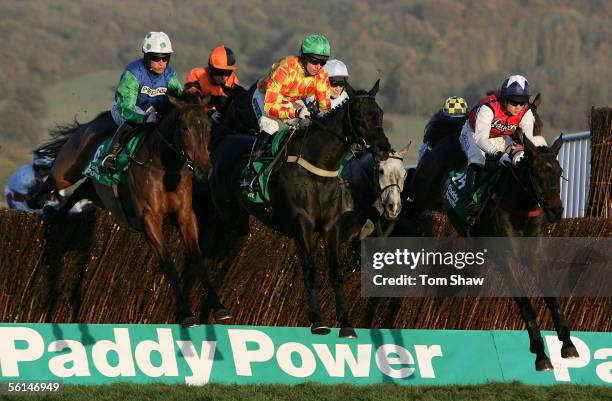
[(403, 129), (316, 392), (82, 97)]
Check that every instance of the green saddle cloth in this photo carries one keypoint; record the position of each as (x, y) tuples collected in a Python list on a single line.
[(456, 196), (263, 168), (93, 169)]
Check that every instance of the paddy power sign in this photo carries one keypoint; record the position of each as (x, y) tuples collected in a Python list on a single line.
[(100, 354)]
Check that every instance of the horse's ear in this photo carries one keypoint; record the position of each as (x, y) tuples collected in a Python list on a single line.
[(519, 136), (402, 153), (374, 89), (537, 101), (349, 90), (176, 102), (556, 146), (529, 145)]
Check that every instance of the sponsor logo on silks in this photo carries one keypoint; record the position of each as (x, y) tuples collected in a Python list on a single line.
[(98, 354), (451, 195), (497, 124), (153, 92), (459, 179)]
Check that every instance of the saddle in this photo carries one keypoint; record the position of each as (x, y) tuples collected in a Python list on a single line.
[(455, 197), (123, 160)]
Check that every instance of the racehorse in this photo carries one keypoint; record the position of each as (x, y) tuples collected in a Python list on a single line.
[(525, 199), (158, 184), (306, 196)]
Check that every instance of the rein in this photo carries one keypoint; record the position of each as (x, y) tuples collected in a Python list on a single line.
[(359, 141)]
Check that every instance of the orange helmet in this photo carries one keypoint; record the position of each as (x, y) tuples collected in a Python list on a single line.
[(222, 58)]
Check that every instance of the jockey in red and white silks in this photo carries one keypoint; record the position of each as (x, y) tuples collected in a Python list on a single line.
[(491, 122)]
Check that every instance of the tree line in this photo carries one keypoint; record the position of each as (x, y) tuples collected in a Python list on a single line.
[(423, 51)]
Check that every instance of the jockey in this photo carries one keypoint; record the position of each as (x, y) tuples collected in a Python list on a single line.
[(279, 96), (25, 181), (489, 126), (338, 77), (210, 80), (141, 92), (446, 121)]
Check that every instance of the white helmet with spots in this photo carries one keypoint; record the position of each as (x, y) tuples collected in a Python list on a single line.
[(156, 42)]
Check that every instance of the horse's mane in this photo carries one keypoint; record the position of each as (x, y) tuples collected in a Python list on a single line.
[(60, 135)]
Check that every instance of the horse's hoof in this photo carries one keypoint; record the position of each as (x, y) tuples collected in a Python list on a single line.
[(543, 365), (320, 328), (222, 314), (347, 332), (569, 352), (190, 321)]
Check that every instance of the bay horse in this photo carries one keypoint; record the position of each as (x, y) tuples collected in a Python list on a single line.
[(158, 184), (306, 200), (526, 198)]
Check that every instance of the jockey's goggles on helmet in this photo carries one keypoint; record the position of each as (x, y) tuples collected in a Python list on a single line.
[(337, 81), (314, 60), (159, 57), (517, 100), (221, 73)]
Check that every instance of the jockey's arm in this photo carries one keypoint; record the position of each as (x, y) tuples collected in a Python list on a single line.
[(174, 85), (323, 94), (527, 124), (127, 94), (274, 104), (192, 83), (482, 129)]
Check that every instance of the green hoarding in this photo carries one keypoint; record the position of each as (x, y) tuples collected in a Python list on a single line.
[(100, 354)]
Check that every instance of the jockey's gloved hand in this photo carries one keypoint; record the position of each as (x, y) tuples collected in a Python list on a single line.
[(503, 159), (303, 113), (151, 118)]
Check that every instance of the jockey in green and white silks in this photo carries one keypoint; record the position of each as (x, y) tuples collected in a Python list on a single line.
[(142, 91)]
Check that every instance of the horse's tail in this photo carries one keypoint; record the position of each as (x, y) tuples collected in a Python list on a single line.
[(59, 136)]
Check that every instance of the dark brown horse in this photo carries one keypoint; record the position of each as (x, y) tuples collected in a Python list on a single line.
[(158, 183), (526, 199)]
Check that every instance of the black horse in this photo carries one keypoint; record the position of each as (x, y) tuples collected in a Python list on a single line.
[(525, 199), (303, 203)]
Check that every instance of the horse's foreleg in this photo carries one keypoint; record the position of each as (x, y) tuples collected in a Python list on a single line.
[(536, 343), (333, 242), (153, 227), (305, 244), (568, 350), (37, 199), (189, 230)]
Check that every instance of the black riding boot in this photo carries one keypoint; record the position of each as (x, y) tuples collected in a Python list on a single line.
[(109, 162), (471, 179), (258, 149)]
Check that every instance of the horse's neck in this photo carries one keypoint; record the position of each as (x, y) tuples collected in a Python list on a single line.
[(515, 191), (360, 173), (324, 147), (157, 146)]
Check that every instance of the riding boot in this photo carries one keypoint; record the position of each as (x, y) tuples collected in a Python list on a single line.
[(472, 208), (258, 149), (109, 161)]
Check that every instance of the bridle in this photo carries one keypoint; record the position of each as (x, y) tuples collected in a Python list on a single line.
[(177, 145)]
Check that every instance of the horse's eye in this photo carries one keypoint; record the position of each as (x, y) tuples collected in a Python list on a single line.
[(381, 171)]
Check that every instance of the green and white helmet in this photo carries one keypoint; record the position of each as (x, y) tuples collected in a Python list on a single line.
[(156, 42)]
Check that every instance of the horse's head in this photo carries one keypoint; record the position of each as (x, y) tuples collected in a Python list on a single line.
[(391, 177), (544, 174), (193, 130), (366, 118)]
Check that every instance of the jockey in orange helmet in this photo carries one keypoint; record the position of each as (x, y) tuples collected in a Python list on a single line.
[(210, 80)]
